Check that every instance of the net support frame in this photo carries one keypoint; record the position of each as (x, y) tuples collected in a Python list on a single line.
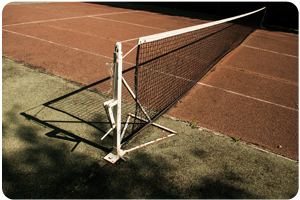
[(116, 106)]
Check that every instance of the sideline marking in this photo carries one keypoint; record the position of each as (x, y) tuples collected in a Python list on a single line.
[(74, 48), (264, 101), (268, 51), (66, 18), (253, 73), (128, 23)]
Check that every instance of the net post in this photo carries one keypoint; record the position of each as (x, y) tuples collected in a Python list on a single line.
[(117, 97), (117, 152)]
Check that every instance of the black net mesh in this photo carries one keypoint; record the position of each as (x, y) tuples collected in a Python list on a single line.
[(167, 68)]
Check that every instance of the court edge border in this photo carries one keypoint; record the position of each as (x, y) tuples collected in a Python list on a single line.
[(224, 136)]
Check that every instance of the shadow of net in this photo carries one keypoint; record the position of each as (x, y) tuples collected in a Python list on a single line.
[(81, 116)]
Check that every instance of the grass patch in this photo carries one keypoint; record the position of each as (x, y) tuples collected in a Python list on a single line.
[(235, 139), (194, 123)]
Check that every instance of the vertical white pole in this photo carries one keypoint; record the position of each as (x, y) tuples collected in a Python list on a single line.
[(117, 97)]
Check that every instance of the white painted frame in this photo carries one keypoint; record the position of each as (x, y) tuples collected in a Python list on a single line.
[(117, 152), (113, 110)]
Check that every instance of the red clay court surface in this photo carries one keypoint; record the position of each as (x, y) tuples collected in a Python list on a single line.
[(251, 94)]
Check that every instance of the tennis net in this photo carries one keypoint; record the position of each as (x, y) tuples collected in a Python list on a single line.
[(169, 64)]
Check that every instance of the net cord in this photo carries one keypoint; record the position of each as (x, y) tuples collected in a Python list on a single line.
[(163, 35)]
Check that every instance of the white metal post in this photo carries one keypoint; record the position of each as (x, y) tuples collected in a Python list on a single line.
[(117, 97), (117, 151)]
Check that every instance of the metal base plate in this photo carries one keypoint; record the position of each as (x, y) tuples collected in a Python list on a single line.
[(112, 158)]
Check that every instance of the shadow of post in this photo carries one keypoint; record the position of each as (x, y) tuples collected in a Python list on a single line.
[(77, 108), (57, 130)]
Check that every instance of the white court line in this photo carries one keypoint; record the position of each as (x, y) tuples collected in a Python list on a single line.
[(260, 75), (50, 20), (127, 23), (74, 48), (268, 51), (247, 96)]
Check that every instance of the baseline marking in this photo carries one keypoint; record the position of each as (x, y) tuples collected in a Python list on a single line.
[(264, 101), (66, 18), (268, 51), (74, 48)]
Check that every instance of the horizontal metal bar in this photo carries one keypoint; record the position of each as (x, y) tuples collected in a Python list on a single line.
[(110, 103)]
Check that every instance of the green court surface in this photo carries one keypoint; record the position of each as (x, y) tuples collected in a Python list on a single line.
[(65, 160)]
